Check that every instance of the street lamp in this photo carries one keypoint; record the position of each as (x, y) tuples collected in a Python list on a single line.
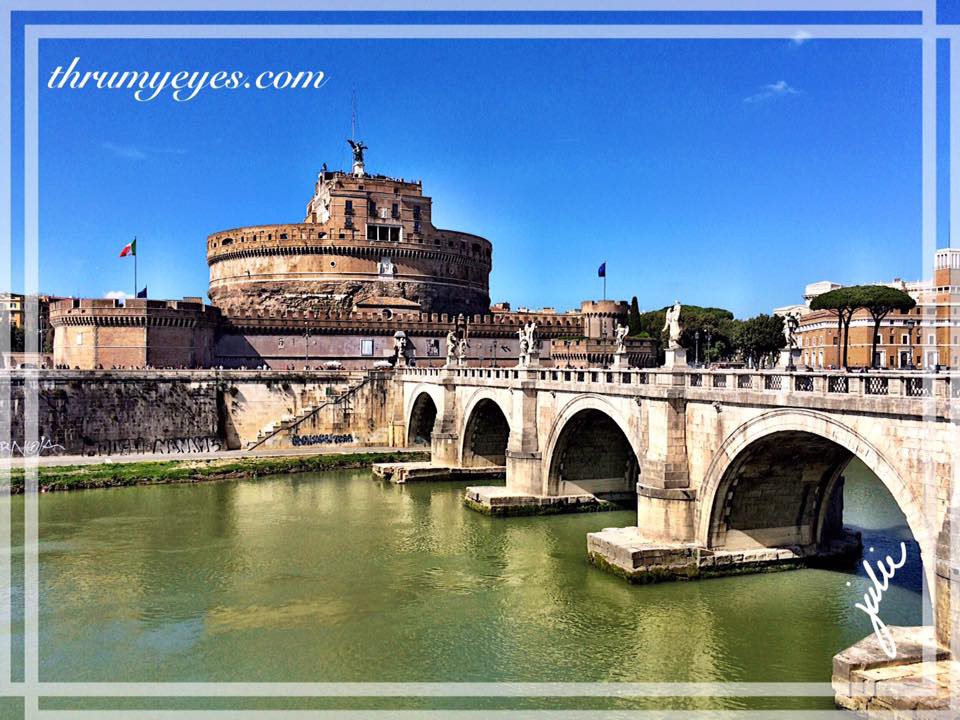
[(910, 323), (696, 351), (706, 350)]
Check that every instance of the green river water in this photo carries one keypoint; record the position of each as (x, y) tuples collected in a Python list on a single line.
[(337, 577)]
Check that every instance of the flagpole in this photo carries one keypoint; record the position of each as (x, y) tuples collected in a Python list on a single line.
[(135, 291)]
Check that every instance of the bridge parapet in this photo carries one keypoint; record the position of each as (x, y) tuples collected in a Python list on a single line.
[(909, 393)]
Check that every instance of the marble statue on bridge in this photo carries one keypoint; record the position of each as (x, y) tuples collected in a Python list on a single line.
[(672, 324), (452, 346), (529, 354)]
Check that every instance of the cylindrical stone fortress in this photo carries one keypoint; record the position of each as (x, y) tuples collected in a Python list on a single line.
[(364, 238)]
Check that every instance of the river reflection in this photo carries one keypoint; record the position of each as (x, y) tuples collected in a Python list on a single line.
[(336, 577)]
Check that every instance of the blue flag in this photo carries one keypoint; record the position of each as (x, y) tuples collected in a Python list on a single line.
[(142, 293), (602, 270)]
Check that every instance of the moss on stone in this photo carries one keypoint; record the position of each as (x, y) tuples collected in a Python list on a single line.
[(529, 509)]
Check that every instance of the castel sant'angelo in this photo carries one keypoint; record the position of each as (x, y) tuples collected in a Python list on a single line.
[(365, 266)]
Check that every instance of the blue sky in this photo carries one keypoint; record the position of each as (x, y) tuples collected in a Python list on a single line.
[(725, 173)]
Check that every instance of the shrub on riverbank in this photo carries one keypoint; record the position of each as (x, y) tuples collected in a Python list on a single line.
[(102, 475)]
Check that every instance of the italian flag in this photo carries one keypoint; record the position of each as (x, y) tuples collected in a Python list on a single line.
[(129, 249)]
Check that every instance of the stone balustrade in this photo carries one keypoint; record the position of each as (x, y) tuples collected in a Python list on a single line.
[(910, 385)]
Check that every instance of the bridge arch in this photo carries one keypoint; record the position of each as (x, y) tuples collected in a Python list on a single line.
[(423, 417), (591, 449), (423, 405), (486, 431), (814, 448)]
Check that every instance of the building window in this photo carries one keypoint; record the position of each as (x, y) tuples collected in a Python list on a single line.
[(878, 339), (395, 211), (349, 208), (348, 222), (416, 212), (283, 236), (366, 348), (383, 233), (280, 344), (416, 226), (904, 339), (372, 207), (80, 338)]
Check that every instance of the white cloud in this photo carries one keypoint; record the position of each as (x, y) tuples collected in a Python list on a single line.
[(771, 91), (117, 295), (135, 152), (800, 37), (125, 151)]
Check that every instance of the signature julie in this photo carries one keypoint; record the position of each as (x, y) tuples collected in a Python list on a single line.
[(874, 594)]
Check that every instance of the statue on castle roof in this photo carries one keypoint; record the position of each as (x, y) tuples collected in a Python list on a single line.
[(358, 147)]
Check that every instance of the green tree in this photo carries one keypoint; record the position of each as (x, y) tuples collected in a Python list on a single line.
[(713, 322), (633, 317), (880, 301), (714, 326), (843, 302), (758, 336)]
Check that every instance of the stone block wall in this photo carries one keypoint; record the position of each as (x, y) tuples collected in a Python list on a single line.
[(180, 412), (97, 414)]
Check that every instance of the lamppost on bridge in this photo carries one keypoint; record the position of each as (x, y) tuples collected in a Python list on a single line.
[(306, 346), (696, 345), (910, 323)]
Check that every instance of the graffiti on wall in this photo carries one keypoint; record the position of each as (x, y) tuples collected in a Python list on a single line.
[(163, 446), (325, 439), (32, 448)]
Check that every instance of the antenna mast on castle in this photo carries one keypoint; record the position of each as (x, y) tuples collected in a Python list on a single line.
[(353, 116)]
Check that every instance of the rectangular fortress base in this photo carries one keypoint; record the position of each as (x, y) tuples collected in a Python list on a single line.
[(624, 552), (921, 677), (405, 472), (503, 502)]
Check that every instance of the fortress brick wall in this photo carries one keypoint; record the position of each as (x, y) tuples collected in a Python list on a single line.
[(364, 237), (103, 333)]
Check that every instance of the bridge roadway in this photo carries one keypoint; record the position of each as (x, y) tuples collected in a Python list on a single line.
[(732, 470)]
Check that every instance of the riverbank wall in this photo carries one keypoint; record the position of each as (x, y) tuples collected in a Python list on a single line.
[(183, 412)]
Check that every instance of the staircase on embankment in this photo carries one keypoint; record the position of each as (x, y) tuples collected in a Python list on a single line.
[(288, 423)]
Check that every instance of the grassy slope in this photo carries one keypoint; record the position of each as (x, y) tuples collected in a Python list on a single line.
[(77, 477)]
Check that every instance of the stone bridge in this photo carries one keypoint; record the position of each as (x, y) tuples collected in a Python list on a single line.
[(732, 470)]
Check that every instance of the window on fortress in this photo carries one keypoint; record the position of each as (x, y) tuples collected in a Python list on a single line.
[(416, 226), (348, 210), (283, 236), (395, 211), (416, 212), (383, 233), (366, 347), (348, 222), (372, 207)]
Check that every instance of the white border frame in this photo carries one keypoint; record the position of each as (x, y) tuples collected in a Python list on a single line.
[(32, 689)]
